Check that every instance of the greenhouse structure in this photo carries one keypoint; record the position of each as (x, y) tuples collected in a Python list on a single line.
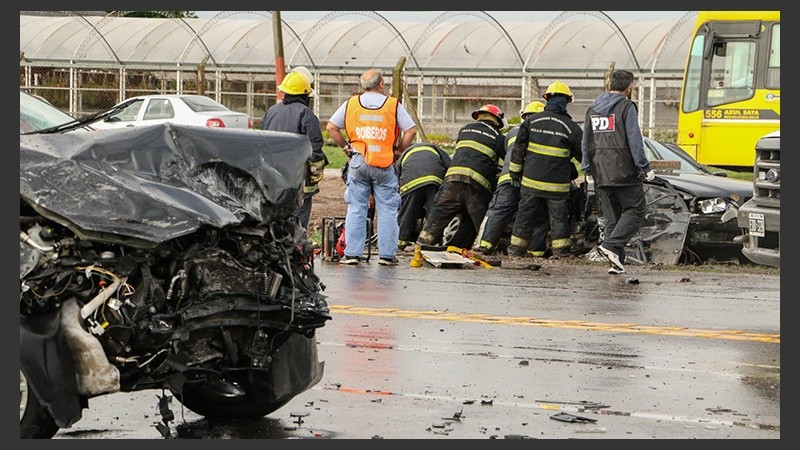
[(86, 61)]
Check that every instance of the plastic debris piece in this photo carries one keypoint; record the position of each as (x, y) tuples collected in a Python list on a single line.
[(632, 281), (517, 436), (572, 418)]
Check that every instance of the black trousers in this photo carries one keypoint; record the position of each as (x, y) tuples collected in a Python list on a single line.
[(530, 218), (415, 205), (452, 198), (500, 213), (623, 210)]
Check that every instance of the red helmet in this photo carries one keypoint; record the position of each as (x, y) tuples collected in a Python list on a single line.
[(491, 109)]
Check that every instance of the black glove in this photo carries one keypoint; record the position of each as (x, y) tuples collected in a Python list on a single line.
[(516, 179)]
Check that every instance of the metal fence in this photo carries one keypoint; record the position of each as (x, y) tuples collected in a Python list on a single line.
[(442, 101)]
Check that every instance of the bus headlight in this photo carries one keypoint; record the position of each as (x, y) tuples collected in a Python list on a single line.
[(712, 205)]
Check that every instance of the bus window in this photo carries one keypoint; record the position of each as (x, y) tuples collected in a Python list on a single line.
[(732, 68), (774, 65), (691, 87)]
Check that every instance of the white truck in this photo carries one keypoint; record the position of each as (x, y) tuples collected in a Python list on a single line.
[(759, 218)]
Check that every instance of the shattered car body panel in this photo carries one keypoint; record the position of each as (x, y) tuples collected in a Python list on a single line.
[(166, 257), (663, 233), (157, 183), (661, 238)]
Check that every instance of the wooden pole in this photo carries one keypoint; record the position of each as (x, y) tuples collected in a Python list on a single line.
[(277, 38)]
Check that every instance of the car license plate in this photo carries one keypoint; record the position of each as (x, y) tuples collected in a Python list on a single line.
[(756, 224)]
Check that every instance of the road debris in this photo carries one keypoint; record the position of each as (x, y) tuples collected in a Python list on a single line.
[(632, 281), (572, 418), (456, 416), (299, 416)]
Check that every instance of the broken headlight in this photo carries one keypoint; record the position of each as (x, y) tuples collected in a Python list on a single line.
[(712, 205)]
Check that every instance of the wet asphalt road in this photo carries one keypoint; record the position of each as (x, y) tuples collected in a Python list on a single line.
[(478, 353)]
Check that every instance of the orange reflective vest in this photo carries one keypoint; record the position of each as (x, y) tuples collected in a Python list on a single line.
[(372, 132)]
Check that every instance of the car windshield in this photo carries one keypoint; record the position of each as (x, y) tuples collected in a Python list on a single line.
[(199, 103), (36, 114), (655, 150)]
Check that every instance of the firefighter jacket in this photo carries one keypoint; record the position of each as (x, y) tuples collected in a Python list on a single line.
[(511, 138), (546, 143), (420, 165), (612, 145), (293, 115), (479, 147), (373, 132)]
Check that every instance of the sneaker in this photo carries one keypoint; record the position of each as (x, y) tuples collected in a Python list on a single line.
[(351, 260), (615, 271), (612, 258), (388, 261)]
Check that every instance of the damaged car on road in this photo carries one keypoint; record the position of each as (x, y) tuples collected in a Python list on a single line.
[(164, 257)]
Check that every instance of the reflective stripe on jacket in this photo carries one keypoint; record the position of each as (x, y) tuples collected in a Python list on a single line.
[(421, 164), (479, 147), (545, 145), (373, 132)]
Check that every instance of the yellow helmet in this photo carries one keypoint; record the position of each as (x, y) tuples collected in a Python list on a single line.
[(295, 84), (303, 70), (558, 87), (532, 107)]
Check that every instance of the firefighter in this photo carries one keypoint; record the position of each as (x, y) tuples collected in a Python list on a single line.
[(472, 177), (421, 169), (294, 115), (542, 164), (506, 197)]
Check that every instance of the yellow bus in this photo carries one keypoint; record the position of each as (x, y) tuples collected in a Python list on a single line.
[(731, 93)]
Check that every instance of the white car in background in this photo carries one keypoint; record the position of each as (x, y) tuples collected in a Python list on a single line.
[(181, 109)]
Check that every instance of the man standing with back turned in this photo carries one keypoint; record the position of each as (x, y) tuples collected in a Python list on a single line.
[(294, 116), (613, 154), (373, 123)]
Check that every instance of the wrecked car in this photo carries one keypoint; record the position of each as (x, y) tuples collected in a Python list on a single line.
[(164, 257), (708, 196)]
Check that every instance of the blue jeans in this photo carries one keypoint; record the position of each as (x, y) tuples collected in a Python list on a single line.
[(363, 179)]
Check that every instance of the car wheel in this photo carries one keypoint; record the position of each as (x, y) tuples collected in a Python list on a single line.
[(459, 232), (34, 421)]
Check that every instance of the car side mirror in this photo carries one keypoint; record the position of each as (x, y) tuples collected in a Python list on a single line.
[(720, 174)]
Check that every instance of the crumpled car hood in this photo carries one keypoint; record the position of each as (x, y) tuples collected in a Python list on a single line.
[(710, 186), (146, 185)]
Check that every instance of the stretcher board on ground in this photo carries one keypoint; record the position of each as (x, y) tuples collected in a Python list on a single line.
[(445, 259)]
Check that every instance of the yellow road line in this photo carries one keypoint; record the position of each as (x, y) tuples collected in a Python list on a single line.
[(737, 335)]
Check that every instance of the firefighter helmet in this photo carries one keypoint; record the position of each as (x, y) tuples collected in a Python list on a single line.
[(558, 87), (303, 70), (491, 109), (532, 107), (295, 84)]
